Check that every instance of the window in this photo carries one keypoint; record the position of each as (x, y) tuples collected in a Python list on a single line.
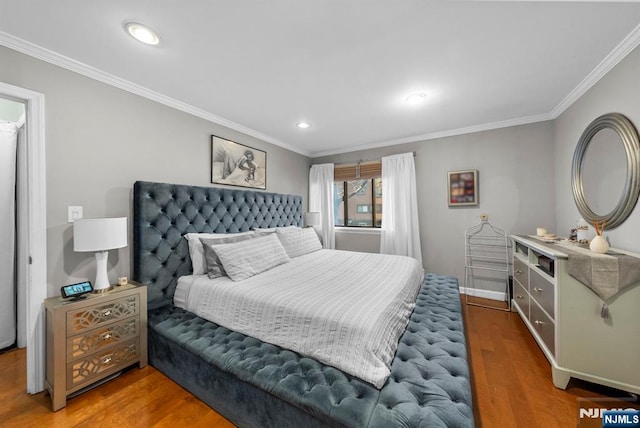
[(358, 201), (363, 208)]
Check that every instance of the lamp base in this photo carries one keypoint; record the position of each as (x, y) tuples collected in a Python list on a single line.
[(103, 290), (102, 279)]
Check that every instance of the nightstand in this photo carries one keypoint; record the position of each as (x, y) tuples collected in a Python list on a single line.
[(93, 339)]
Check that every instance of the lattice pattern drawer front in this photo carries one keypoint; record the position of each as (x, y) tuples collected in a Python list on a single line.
[(78, 321), (102, 337), (88, 370)]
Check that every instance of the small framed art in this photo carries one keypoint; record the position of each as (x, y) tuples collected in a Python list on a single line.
[(237, 165), (463, 188)]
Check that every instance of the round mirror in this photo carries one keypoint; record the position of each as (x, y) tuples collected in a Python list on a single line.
[(605, 170)]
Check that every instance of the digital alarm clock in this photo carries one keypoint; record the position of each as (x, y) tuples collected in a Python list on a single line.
[(76, 291)]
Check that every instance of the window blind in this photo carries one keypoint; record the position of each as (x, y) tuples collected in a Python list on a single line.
[(349, 171)]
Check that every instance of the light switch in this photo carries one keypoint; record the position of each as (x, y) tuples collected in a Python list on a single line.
[(74, 213)]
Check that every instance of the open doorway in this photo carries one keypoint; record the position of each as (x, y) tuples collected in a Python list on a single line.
[(33, 241), (12, 227)]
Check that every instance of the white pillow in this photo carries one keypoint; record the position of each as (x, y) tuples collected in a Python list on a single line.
[(196, 251), (245, 259), (297, 242), (269, 230)]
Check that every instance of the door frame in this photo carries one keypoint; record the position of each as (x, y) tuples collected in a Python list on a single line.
[(36, 244)]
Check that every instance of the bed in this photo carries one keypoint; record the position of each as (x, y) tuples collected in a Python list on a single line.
[(257, 383)]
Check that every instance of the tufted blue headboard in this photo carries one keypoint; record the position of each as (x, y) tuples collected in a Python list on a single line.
[(163, 213)]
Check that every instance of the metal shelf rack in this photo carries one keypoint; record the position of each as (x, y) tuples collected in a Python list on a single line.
[(487, 265)]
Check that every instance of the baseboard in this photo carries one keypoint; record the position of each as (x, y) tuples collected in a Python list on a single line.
[(485, 294)]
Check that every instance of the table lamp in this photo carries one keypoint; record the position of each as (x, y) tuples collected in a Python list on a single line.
[(100, 235), (312, 219)]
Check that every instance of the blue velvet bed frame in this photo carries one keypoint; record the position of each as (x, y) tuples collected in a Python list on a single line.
[(256, 384)]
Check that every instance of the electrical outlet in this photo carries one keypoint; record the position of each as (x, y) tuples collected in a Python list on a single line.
[(74, 213), (484, 217)]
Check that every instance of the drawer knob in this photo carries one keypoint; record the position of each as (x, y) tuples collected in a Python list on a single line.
[(519, 297), (106, 360), (518, 272), (106, 336), (538, 323), (539, 290), (106, 313)]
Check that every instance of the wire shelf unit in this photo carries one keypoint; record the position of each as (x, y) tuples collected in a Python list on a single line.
[(487, 265)]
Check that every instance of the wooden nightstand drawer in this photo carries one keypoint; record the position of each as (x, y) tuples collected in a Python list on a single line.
[(95, 340), (87, 370), (84, 319)]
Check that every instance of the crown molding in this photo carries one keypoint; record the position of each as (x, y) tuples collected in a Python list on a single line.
[(629, 43), (623, 48), (441, 134), (70, 64)]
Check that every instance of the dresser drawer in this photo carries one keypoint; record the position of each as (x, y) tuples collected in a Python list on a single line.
[(521, 298), (542, 291), (544, 326), (90, 317), (521, 272), (94, 366), (101, 337)]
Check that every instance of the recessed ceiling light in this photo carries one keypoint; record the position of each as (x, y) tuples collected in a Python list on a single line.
[(303, 125), (142, 33), (417, 98)]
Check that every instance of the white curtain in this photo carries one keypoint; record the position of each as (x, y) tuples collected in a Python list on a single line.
[(8, 147), (400, 227), (321, 200)]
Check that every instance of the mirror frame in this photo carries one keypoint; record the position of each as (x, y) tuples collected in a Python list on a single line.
[(629, 136)]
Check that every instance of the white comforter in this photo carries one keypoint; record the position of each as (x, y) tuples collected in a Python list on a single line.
[(345, 309)]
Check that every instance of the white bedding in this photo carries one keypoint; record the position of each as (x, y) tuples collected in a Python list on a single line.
[(343, 308)]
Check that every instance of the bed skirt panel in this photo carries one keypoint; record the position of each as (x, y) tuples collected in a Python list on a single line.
[(242, 403), (255, 384)]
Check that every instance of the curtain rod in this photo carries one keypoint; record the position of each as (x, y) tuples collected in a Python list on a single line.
[(361, 160)]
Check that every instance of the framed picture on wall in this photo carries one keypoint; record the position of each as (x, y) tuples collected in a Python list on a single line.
[(463, 188), (237, 165)]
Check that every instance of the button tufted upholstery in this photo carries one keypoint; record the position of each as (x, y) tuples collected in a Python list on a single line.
[(429, 385), (258, 384), (163, 213)]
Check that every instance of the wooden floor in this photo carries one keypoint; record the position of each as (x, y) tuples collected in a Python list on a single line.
[(511, 387)]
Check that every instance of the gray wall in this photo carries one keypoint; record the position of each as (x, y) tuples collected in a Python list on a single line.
[(617, 91), (524, 176), (100, 140), (516, 171)]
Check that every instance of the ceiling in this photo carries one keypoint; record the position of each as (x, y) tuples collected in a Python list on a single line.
[(344, 66)]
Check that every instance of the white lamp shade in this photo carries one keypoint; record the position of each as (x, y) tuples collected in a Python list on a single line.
[(99, 234), (312, 219)]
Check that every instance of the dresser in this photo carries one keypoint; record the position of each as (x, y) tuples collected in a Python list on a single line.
[(565, 318), (90, 340)]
